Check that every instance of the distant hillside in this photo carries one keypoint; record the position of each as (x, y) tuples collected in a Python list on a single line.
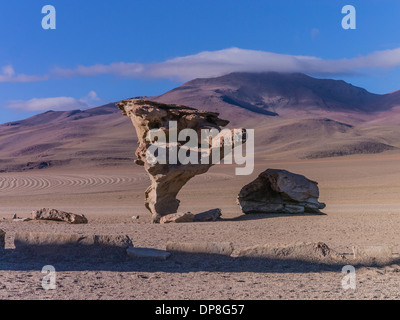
[(98, 136), (294, 116), (274, 93)]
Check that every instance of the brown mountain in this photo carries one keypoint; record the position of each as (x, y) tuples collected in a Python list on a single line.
[(293, 115), (273, 93)]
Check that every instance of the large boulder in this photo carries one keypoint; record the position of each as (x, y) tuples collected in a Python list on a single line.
[(58, 215), (167, 179), (280, 191)]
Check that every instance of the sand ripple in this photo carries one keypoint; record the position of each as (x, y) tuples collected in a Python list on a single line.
[(61, 182)]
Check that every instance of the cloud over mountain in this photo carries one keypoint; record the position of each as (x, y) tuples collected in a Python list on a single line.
[(216, 63)]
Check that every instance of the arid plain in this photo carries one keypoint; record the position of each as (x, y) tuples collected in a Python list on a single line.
[(360, 188), (361, 193)]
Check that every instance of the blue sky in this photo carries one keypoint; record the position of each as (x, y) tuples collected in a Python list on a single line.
[(104, 51)]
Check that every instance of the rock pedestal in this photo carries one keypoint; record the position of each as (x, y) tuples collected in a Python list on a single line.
[(168, 178)]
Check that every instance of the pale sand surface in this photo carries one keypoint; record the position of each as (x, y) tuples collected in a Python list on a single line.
[(363, 208)]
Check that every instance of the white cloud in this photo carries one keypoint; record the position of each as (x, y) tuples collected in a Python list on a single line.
[(92, 99), (8, 74), (215, 63), (119, 68), (56, 103)]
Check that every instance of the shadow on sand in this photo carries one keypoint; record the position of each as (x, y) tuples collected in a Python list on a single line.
[(258, 216), (13, 260)]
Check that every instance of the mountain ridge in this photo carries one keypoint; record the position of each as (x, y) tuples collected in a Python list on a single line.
[(271, 92), (294, 116)]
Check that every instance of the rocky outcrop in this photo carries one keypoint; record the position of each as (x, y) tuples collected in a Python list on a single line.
[(66, 245), (305, 251), (210, 215), (177, 218), (167, 179), (280, 191), (57, 215)]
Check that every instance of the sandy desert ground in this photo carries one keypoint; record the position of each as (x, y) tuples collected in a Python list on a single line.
[(363, 208)]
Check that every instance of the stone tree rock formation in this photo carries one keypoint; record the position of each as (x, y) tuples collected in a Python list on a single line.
[(168, 179), (280, 191)]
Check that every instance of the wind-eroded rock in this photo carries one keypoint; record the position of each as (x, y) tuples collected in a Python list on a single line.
[(168, 179), (280, 191), (57, 215)]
